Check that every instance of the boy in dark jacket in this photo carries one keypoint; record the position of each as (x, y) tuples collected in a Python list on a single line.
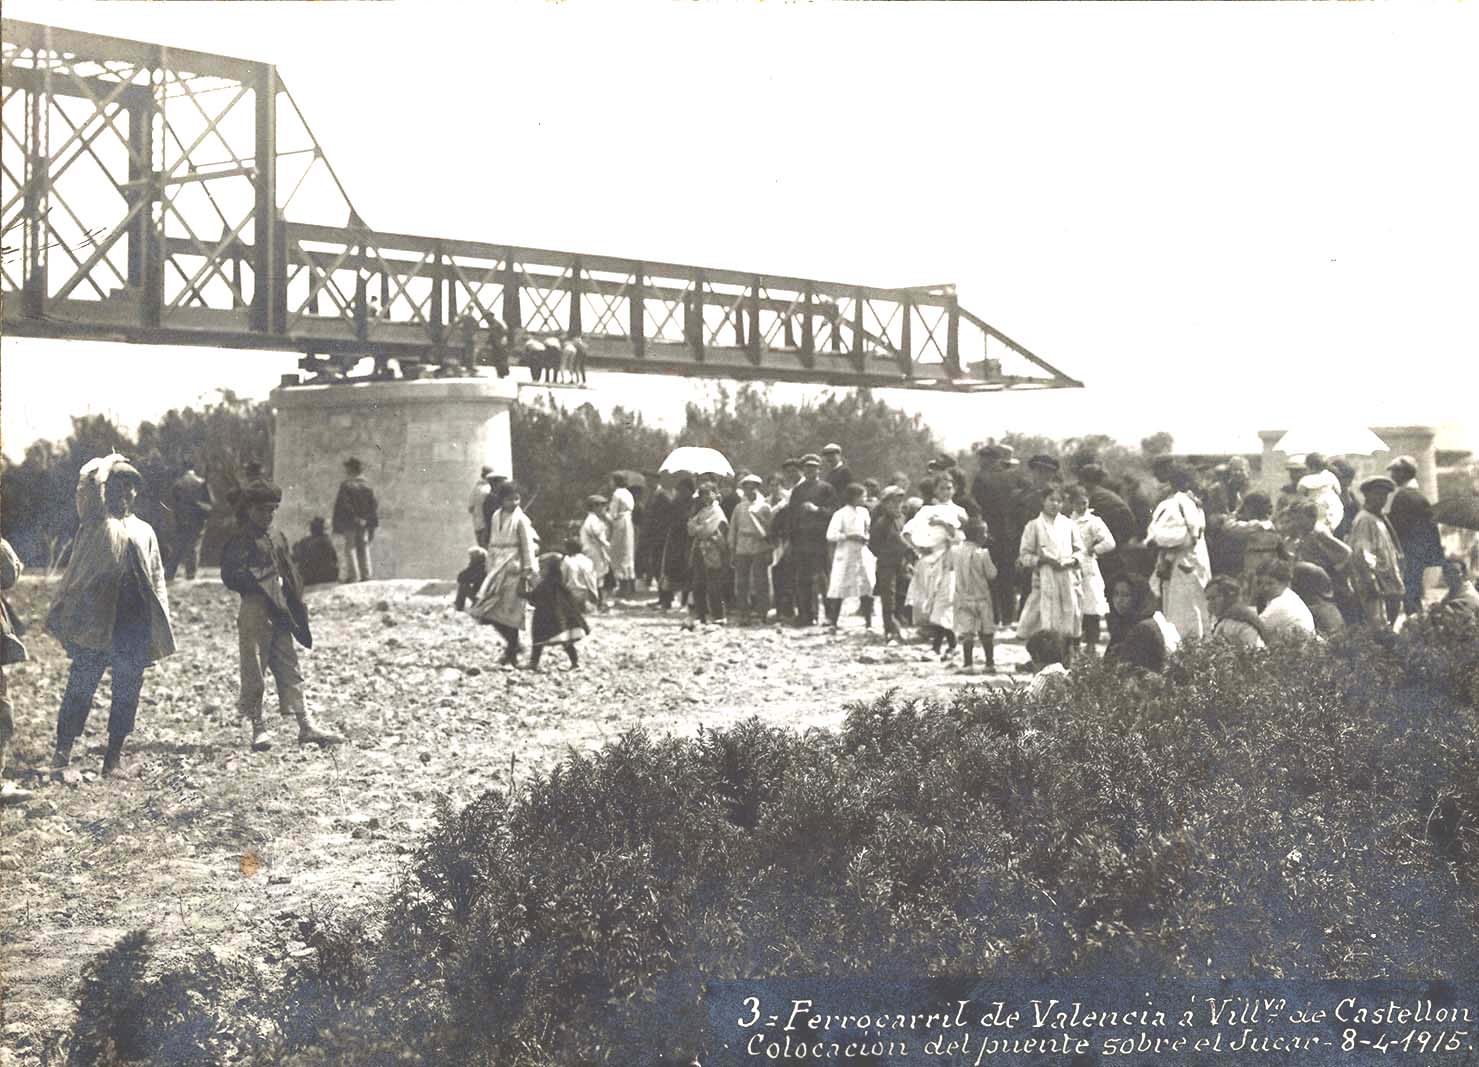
[(255, 562), (885, 540)]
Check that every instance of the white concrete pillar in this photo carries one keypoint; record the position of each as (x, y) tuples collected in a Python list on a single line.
[(422, 444), (1414, 441)]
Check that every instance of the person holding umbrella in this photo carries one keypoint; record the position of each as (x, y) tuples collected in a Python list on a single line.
[(673, 565), (708, 534)]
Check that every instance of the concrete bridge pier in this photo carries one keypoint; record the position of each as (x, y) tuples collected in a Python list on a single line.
[(422, 444)]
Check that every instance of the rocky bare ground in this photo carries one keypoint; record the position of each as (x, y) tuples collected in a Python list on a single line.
[(215, 848)]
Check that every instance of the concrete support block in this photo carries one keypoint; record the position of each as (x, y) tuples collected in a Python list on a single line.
[(422, 444)]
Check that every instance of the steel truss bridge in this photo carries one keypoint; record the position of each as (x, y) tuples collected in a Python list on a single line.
[(161, 195)]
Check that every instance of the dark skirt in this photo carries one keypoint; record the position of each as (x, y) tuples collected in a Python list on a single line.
[(557, 614)]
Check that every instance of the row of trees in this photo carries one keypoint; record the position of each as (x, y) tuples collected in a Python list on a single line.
[(560, 454), (564, 455), (39, 514)]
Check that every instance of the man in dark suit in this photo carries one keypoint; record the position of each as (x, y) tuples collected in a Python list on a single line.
[(356, 517), (1411, 515), (808, 513), (994, 489), (190, 498), (838, 476)]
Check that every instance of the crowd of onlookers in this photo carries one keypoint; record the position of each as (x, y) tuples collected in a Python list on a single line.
[(1061, 553), (1047, 548)]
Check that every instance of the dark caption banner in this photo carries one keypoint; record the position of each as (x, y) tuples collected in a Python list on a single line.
[(1110, 1021)]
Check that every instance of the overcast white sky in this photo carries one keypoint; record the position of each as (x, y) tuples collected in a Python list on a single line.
[(1221, 217)]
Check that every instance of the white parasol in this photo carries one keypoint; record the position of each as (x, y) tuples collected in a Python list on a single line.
[(1331, 440), (693, 460)]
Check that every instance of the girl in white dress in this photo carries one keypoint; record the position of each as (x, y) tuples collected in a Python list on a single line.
[(1178, 528), (1052, 549), (930, 533), (853, 567), (595, 540), (1098, 541)]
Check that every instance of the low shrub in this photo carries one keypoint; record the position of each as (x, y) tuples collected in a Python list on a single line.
[(1308, 811)]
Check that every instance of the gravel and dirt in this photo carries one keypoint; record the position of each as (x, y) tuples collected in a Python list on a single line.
[(212, 847)]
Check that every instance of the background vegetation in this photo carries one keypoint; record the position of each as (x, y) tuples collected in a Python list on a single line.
[(561, 454)]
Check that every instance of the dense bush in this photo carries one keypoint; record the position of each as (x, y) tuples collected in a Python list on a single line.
[(1310, 811)]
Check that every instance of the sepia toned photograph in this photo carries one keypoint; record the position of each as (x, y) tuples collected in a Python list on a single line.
[(544, 533)]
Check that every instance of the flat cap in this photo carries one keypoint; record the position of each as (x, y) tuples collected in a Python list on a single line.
[(1380, 483), (831, 449), (1043, 462), (811, 459)]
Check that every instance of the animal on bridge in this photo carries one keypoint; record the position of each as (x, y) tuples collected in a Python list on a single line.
[(541, 359), (554, 361), (572, 360)]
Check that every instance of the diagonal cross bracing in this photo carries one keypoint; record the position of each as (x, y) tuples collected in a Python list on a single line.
[(177, 210)]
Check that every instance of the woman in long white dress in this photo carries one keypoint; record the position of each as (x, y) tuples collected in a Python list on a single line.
[(623, 536), (853, 567), (930, 533), (1178, 528), (512, 555), (1052, 549)]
